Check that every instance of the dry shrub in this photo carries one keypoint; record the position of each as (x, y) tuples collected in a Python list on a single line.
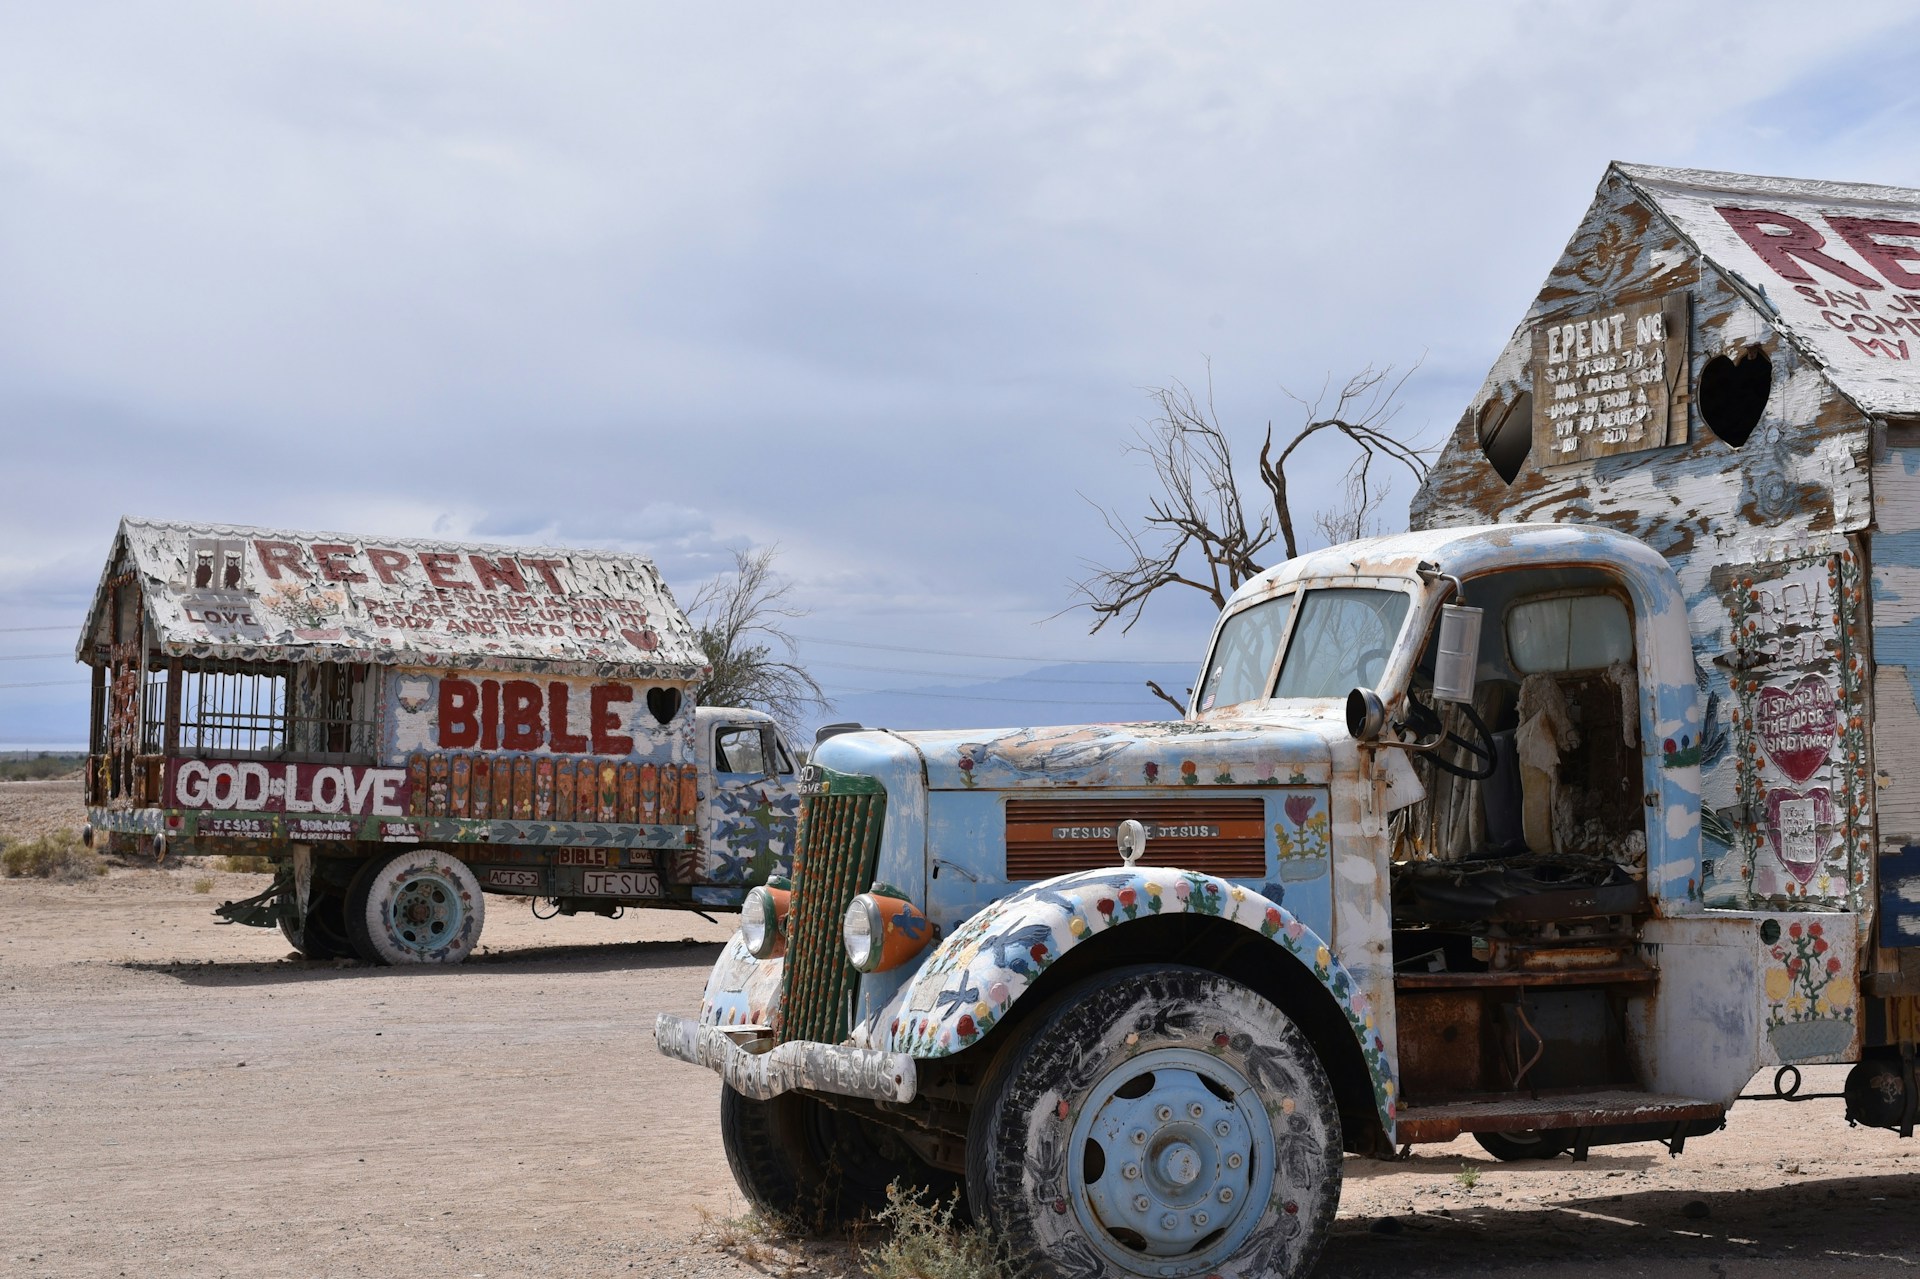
[(754, 1236), (203, 885), (245, 865), (925, 1242), (59, 855)]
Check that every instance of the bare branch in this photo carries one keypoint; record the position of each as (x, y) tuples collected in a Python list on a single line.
[(1196, 533), (739, 624), (1167, 697)]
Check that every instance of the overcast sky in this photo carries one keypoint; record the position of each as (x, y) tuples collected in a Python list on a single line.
[(879, 285)]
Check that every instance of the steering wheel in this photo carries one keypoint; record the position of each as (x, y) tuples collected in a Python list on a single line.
[(1423, 719)]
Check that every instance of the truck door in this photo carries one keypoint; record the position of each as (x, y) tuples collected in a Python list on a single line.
[(752, 803), (1797, 824)]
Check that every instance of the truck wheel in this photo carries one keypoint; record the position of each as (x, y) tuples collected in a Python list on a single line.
[(817, 1167), (1511, 1146), (1158, 1121), (324, 933), (417, 906)]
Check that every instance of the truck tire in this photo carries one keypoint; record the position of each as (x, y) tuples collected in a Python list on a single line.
[(817, 1167), (323, 935), (1160, 1121), (416, 906), (1509, 1147)]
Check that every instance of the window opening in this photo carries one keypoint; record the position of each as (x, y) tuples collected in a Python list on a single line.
[(1506, 434), (1243, 655), (739, 750), (1341, 642), (1733, 393), (1569, 633)]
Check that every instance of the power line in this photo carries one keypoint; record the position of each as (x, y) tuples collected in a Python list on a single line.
[(20, 630), (975, 697), (1038, 679), (1003, 657), (33, 657), (50, 683)]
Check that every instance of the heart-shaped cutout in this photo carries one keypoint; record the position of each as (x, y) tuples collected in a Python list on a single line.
[(664, 703), (1733, 394), (1506, 434), (1798, 725), (1800, 827)]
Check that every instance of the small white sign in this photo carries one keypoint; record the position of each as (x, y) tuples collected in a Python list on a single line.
[(621, 883)]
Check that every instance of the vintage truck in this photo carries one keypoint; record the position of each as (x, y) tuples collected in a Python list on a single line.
[(1553, 821), (405, 726)]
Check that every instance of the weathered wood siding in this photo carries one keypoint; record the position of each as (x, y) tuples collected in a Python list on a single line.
[(1767, 539)]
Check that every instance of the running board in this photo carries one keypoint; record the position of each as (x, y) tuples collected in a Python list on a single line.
[(1610, 1109)]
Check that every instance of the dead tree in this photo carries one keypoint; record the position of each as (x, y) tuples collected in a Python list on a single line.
[(1197, 533)]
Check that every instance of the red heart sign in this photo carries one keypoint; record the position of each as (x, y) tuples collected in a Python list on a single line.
[(1798, 725)]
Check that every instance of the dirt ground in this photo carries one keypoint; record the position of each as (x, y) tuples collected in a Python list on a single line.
[(178, 1098)]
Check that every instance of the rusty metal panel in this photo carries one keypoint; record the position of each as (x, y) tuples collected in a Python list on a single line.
[(255, 594), (1573, 1110), (1223, 835), (1442, 1041)]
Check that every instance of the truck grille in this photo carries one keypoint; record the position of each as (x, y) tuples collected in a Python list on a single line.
[(1224, 836), (838, 844)]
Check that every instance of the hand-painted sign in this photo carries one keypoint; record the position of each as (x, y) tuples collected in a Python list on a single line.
[(1602, 382), (1800, 827), (1798, 725), (530, 716), (620, 883), (251, 787)]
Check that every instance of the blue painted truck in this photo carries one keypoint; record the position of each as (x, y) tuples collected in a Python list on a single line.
[(1553, 821), (402, 728)]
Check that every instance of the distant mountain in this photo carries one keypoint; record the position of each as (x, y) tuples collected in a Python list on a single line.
[(1070, 693)]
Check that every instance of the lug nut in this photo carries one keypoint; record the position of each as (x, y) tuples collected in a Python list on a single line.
[(1163, 1114), (1234, 1160), (1139, 1137), (1226, 1194), (1141, 1203), (1131, 1172), (1195, 1109), (1169, 1222), (1222, 1129), (1200, 1218)]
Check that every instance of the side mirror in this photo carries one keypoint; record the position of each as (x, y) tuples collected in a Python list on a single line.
[(1457, 663), (1366, 715)]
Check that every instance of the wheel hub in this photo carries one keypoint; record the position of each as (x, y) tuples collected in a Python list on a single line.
[(1172, 1153), (427, 910)]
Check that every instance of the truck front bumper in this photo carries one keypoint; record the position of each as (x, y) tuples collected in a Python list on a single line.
[(761, 1069)]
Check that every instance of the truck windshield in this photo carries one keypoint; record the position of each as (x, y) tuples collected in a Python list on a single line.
[(1244, 654), (1341, 641)]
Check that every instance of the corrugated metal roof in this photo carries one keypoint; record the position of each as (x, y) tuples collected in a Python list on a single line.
[(1836, 265), (255, 594)]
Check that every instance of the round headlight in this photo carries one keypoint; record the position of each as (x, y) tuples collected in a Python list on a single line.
[(860, 931), (760, 922)]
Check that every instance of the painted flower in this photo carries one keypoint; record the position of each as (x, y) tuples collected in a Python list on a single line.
[(1779, 982), (1793, 929), (1104, 905), (1238, 893), (1039, 952), (981, 1010), (1839, 993), (1321, 958), (1794, 965), (998, 992), (1299, 808), (1182, 890), (966, 763), (1077, 926), (1813, 929), (1274, 918), (1833, 965), (1128, 897), (1820, 946), (1152, 771), (1153, 889), (965, 1025), (1189, 773)]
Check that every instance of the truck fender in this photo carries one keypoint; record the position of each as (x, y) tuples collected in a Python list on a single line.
[(980, 971)]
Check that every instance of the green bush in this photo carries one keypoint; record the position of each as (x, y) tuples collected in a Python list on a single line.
[(926, 1243), (60, 856), (245, 865), (33, 767)]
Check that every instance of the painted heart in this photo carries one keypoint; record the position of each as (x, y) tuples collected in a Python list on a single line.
[(646, 641), (1800, 827), (1798, 726)]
